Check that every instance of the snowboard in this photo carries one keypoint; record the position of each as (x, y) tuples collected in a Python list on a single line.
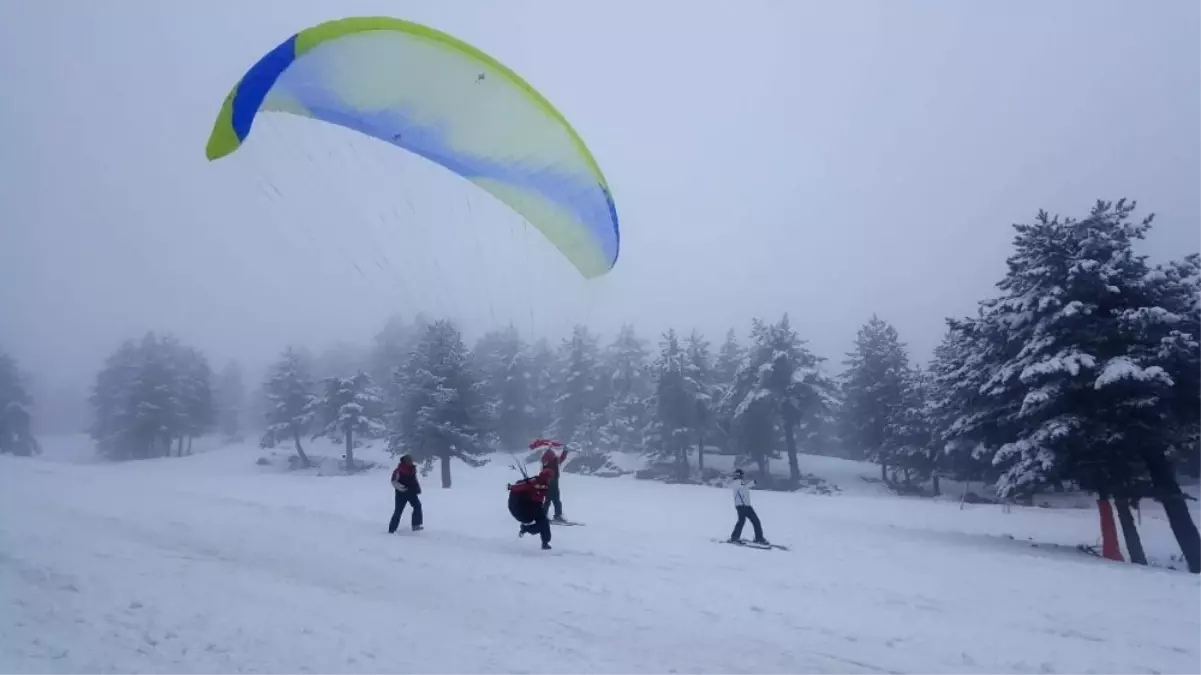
[(751, 544)]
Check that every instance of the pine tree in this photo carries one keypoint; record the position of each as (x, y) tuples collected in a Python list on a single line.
[(667, 435), (908, 441), (580, 404), (197, 404), (349, 409), (730, 357), (779, 388), (542, 386), (16, 437), (961, 438), (150, 397), (231, 400), (289, 388), (873, 389), (700, 384), (627, 385), (442, 410), (156, 400), (504, 366), (111, 402), (1161, 332), (1049, 350), (1081, 388)]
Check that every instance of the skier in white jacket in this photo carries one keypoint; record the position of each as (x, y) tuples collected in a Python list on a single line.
[(742, 504)]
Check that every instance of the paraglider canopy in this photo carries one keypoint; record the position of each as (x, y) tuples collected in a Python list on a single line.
[(427, 92)]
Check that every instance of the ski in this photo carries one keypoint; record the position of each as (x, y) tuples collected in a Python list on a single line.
[(567, 523), (751, 544)]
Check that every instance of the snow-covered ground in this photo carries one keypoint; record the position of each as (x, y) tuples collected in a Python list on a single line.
[(211, 563)]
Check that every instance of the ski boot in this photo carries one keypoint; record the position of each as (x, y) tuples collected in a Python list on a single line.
[(546, 547), (418, 528)]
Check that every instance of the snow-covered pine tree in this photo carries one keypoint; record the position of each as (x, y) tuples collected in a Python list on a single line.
[(1160, 328), (700, 383), (779, 388), (542, 386), (907, 435), (579, 404), (1048, 338), (960, 436), (666, 439), (1081, 391), (194, 391), (873, 389), (747, 408), (627, 385), (231, 401), (16, 436), (443, 413), (807, 397), (1176, 287), (158, 411), (503, 363), (348, 410), (149, 397), (289, 388), (111, 399), (730, 358)]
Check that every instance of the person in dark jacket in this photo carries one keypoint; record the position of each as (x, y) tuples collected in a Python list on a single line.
[(407, 488), (526, 503), (554, 462)]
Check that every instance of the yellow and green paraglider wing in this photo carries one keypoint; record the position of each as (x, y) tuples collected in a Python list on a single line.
[(434, 95)]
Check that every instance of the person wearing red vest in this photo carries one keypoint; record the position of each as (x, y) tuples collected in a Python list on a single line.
[(553, 462), (407, 488), (526, 503)]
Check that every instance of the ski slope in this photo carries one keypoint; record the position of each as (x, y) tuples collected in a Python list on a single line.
[(210, 563)]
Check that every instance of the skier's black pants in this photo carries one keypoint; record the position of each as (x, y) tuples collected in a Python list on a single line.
[(532, 517), (746, 513), (552, 497), (403, 498)]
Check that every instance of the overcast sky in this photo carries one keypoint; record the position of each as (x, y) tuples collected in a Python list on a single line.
[(828, 159)]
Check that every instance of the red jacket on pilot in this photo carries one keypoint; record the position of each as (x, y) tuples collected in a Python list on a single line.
[(404, 476)]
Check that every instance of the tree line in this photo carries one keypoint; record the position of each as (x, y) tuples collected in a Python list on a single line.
[(1083, 369)]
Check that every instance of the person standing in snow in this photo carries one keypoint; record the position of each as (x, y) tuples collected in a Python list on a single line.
[(527, 499), (555, 463), (742, 504), (407, 488)]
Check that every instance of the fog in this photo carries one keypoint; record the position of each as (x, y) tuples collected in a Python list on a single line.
[(831, 160)]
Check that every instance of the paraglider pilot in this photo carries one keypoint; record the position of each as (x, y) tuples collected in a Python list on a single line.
[(407, 488), (527, 504)]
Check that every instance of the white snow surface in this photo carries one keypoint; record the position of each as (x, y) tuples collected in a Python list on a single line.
[(210, 563)]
